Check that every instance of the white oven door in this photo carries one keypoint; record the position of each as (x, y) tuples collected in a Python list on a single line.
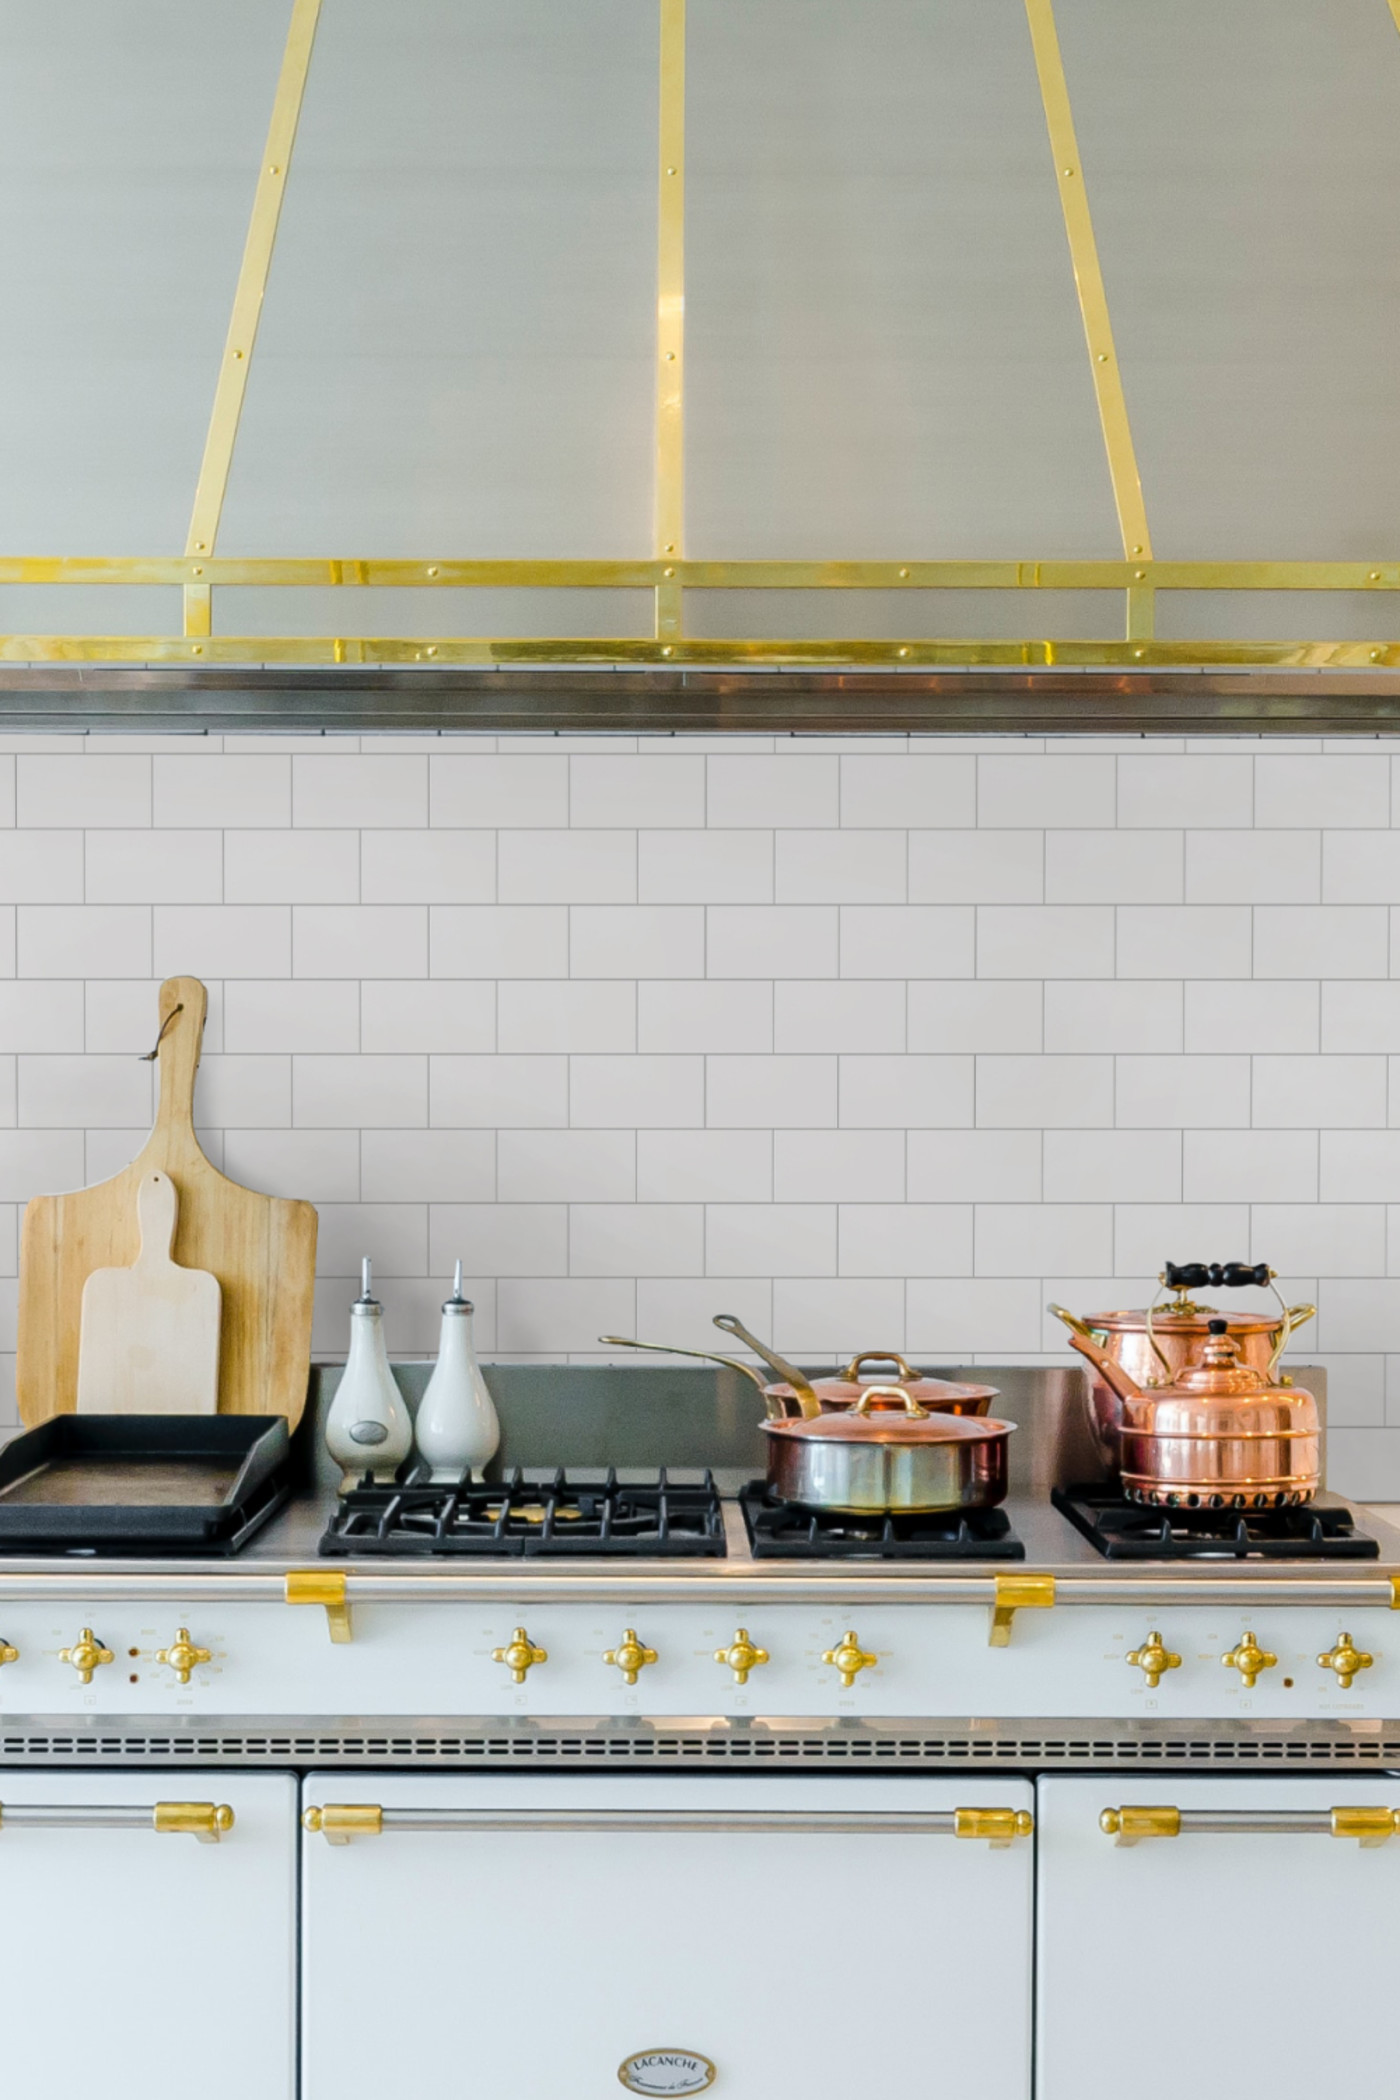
[(546, 1938), (141, 1958), (1255, 1951)]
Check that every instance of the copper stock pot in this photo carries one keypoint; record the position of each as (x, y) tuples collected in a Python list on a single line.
[(886, 1453)]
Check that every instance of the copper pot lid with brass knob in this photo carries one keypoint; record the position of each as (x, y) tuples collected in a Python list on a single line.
[(889, 1415), (935, 1395)]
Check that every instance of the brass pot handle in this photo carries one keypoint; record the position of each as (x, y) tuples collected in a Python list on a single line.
[(1072, 1321), (1294, 1317), (879, 1356), (890, 1392)]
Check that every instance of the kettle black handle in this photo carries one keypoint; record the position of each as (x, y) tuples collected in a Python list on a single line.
[(1215, 1276)]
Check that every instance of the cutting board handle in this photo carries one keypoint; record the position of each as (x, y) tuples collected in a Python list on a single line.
[(183, 1005), (155, 1212)]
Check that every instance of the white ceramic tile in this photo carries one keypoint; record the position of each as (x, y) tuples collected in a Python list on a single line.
[(704, 867), (427, 867), (1113, 867), (1253, 867), (108, 1152), (1357, 1312), (976, 867), (682, 1310), (904, 1239), (1320, 940), (947, 1318), (1360, 867), (498, 940), (1168, 1093), (217, 792), (427, 1166), (1291, 793), (123, 1015), (388, 1093), (1191, 940), (393, 1235), (636, 1092), (1113, 1166), (1268, 1017), (636, 940), (432, 1014), (868, 1019), (1359, 1166), (1364, 1463), (770, 1092), (766, 1239), (321, 1165), (544, 1016), (788, 789), (906, 1092), (1317, 1092), (73, 1092), (963, 1016), (78, 940), (1029, 1239), (290, 1016), (705, 1166), (41, 1016), (557, 1313), (630, 790), (44, 867), (852, 867), (359, 790), (636, 1239), (491, 1093), (1251, 1166), (1044, 1092), (836, 1315), (1319, 1239), (770, 940), (565, 867), (1357, 1017), (1355, 1390), (243, 1093), (906, 940), (497, 793), (566, 1166), (40, 1163), (716, 1015), (1045, 792), (499, 1239), (290, 867), (975, 1166), (221, 940), (1095, 1016), (81, 791), (1044, 940), (355, 940), (838, 1166), (904, 789), (1213, 793), (1146, 1235)]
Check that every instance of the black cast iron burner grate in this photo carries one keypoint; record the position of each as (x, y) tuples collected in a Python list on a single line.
[(1130, 1531), (556, 1514), (783, 1531)]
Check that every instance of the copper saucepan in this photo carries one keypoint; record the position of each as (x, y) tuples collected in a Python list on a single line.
[(888, 1454)]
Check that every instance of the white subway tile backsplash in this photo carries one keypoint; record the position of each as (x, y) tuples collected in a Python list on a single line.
[(214, 792), (564, 867), (868, 1017), (1044, 1092), (884, 1093), (1113, 867), (1320, 940), (630, 790), (499, 940), (321, 1165), (68, 1092), (963, 1016), (289, 1016), (835, 1316), (1360, 867), (76, 940), (948, 1318), (427, 867), (221, 940), (1253, 867), (496, 1093), (845, 867), (1250, 1166), (1319, 1239), (712, 1016), (975, 1166), (636, 1239), (41, 1016), (243, 1093), (904, 1239), (393, 1235), (78, 791), (499, 1239), (554, 1314), (431, 1014), (704, 867), (907, 940), (1160, 791), (1298, 793), (1112, 1166), (704, 1166), (637, 940), (498, 793), (1357, 1312), (1243, 1017), (767, 1239), (1147, 1235), (355, 940), (1045, 940), (787, 789), (770, 1092), (289, 867), (566, 1166), (40, 1162), (637, 1092), (903, 790), (428, 1166), (364, 789), (1191, 940), (1359, 1166), (839, 1166), (1315, 1092), (1096, 1016), (976, 867), (1157, 1093), (46, 867), (770, 940), (1046, 792), (354, 1092), (682, 1310), (566, 1016), (1032, 1239)]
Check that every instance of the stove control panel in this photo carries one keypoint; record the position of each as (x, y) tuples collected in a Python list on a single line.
[(678, 1658)]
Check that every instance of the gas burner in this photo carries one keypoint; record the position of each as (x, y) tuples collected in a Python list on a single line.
[(1128, 1531), (782, 1531), (659, 1517)]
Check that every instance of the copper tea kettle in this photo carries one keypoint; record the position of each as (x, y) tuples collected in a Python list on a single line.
[(1220, 1436)]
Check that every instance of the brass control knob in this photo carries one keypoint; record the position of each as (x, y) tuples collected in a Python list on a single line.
[(629, 1656), (1152, 1658), (741, 1656), (850, 1659), (86, 1655), (8, 1653), (182, 1655), (1345, 1661), (1249, 1659), (519, 1654)]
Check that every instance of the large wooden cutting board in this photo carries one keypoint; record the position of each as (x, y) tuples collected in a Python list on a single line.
[(262, 1249)]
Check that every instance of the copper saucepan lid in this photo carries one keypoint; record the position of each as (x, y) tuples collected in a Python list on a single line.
[(890, 1415), (945, 1395)]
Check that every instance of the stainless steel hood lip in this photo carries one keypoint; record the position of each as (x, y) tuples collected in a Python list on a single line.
[(709, 700)]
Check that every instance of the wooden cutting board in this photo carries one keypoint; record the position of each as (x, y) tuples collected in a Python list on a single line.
[(262, 1250), (149, 1339)]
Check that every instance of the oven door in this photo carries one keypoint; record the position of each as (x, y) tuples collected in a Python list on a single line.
[(546, 1937), (1253, 1951), (146, 1953)]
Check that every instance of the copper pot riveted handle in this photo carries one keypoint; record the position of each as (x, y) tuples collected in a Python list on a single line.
[(898, 1393), (879, 1356)]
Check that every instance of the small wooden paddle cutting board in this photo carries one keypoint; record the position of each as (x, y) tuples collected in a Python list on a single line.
[(261, 1249), (149, 1341)]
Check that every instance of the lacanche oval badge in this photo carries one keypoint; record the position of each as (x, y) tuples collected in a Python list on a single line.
[(667, 2072)]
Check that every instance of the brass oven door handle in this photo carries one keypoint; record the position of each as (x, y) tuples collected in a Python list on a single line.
[(206, 1820), (339, 1821), (1132, 1823)]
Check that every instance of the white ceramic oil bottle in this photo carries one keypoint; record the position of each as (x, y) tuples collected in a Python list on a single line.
[(369, 1426), (457, 1425)]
